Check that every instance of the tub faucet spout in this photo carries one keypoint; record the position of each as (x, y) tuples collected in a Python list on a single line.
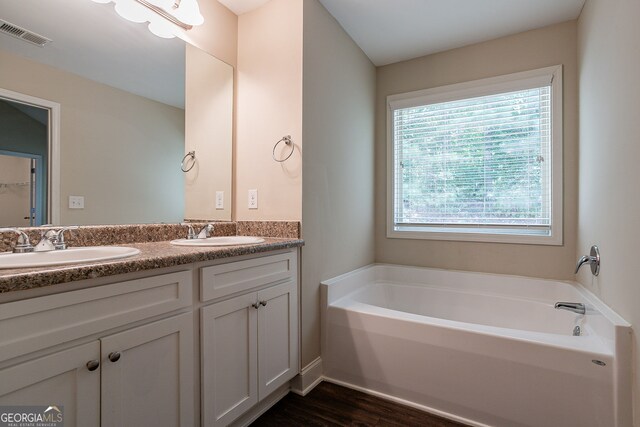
[(576, 307)]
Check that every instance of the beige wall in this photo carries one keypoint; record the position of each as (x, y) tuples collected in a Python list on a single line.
[(208, 132), (218, 36), (525, 51), (269, 106), (337, 190), (609, 60), (219, 33), (119, 150)]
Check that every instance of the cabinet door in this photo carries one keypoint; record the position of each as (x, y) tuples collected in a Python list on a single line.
[(277, 337), (229, 359), (62, 379), (147, 375)]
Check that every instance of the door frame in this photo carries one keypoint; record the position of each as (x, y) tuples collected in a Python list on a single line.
[(53, 178)]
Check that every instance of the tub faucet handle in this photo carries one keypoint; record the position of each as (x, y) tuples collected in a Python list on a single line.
[(593, 259)]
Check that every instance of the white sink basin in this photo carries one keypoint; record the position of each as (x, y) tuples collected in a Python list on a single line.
[(219, 241), (66, 256)]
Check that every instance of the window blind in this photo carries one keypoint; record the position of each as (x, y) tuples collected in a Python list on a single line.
[(476, 162)]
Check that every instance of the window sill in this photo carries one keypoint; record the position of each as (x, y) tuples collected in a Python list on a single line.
[(525, 237)]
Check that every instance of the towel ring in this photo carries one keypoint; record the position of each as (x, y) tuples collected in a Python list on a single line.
[(191, 154), (287, 141)]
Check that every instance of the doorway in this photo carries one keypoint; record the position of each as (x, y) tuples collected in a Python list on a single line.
[(28, 139), (21, 189)]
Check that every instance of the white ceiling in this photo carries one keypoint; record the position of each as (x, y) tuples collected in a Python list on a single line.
[(89, 37), (91, 40), (242, 6), (390, 31)]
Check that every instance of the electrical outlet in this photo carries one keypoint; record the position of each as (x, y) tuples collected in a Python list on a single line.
[(76, 202), (219, 199), (253, 199)]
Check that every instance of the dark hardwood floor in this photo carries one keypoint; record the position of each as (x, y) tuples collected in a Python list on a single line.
[(332, 405)]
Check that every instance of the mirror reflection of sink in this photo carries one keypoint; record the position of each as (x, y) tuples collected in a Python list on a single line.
[(66, 256), (219, 241)]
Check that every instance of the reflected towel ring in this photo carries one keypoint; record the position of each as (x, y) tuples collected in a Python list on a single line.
[(191, 154), (287, 141)]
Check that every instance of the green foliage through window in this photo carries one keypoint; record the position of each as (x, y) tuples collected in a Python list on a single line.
[(477, 161)]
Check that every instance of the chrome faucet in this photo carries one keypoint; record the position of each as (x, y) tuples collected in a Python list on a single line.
[(191, 234), (593, 259), (576, 307), (203, 234), (23, 245), (55, 238)]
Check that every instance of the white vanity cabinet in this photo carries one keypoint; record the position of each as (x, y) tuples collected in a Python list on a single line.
[(125, 354), (147, 375), (63, 379), (143, 375), (249, 341)]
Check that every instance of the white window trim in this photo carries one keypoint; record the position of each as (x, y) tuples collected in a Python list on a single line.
[(476, 88)]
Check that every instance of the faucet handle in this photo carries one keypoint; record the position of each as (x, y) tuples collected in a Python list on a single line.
[(23, 245), (582, 261), (593, 259), (60, 243), (205, 232), (191, 234), (57, 236)]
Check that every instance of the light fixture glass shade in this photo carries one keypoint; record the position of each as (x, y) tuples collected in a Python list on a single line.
[(162, 28), (132, 11), (186, 14), (189, 13)]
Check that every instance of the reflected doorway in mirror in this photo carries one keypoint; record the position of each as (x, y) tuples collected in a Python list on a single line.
[(29, 153)]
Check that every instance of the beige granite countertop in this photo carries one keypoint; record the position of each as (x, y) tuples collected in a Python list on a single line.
[(152, 255)]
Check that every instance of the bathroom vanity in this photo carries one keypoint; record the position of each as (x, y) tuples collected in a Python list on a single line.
[(173, 336)]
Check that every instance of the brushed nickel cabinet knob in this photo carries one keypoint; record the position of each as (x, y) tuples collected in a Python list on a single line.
[(92, 365)]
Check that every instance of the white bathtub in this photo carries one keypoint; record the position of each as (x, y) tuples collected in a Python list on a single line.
[(483, 349)]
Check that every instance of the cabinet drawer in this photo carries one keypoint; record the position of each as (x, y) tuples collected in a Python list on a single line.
[(38, 323), (226, 279)]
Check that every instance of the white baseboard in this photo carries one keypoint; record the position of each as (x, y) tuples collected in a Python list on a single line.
[(430, 410), (310, 377)]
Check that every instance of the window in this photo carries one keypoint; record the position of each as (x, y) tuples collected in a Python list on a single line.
[(478, 161)]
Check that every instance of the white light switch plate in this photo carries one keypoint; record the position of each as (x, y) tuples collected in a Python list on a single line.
[(253, 199), (76, 202), (219, 199)]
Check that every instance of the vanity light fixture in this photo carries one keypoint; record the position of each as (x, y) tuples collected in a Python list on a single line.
[(165, 17)]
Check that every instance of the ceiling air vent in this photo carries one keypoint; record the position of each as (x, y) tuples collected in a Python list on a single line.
[(22, 34)]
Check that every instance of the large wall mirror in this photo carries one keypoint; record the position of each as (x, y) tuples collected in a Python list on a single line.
[(95, 123)]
